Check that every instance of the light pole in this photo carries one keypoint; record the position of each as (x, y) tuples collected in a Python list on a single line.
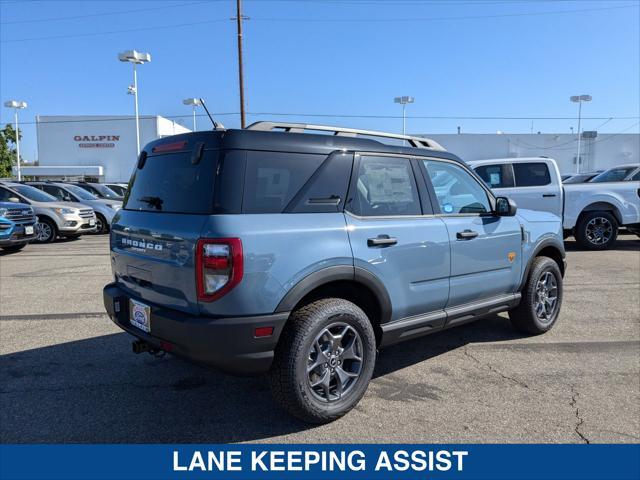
[(194, 102), (16, 105), (136, 58), (403, 101), (579, 99)]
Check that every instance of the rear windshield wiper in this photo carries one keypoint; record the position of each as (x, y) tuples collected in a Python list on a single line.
[(155, 202)]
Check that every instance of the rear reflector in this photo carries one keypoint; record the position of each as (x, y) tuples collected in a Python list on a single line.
[(219, 267), (263, 332), (169, 147)]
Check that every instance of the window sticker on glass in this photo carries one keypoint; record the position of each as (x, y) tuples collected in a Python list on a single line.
[(494, 178)]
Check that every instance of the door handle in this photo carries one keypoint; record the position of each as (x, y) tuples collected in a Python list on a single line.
[(466, 235), (331, 200), (548, 195), (382, 241)]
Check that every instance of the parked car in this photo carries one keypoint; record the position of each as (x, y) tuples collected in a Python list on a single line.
[(54, 218), (621, 173), (579, 177), (65, 192), (592, 212), (99, 190), (17, 222), (301, 254), (119, 188)]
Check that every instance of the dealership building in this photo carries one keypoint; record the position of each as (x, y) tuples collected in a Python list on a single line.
[(598, 151), (103, 148), (99, 148)]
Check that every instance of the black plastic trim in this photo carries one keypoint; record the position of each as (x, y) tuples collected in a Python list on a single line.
[(548, 242), (420, 325), (333, 274), (225, 343)]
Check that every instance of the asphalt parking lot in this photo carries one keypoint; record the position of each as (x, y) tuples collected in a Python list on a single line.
[(68, 375)]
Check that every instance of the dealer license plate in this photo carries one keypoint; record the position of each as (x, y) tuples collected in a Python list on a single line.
[(92, 223), (28, 230), (140, 316)]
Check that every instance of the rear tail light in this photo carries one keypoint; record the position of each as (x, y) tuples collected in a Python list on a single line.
[(219, 267)]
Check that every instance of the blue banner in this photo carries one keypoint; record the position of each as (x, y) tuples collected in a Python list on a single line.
[(357, 462)]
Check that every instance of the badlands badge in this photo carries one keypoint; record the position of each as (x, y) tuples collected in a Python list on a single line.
[(511, 256)]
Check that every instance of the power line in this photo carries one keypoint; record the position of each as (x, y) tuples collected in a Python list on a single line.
[(101, 14), (328, 20), (327, 115), (424, 19), (111, 32)]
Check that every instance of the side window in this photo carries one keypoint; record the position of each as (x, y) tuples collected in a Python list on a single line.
[(5, 195), (495, 176), (456, 189), (55, 191), (385, 186), (531, 174), (326, 190), (272, 179), (636, 176)]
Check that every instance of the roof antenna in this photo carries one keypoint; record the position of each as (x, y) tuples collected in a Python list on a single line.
[(216, 125)]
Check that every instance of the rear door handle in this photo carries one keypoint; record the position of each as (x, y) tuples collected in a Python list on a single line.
[(382, 241), (466, 235), (548, 194)]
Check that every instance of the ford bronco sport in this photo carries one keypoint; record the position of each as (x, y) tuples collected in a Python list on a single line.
[(271, 249)]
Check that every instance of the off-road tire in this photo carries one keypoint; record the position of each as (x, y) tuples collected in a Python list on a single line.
[(288, 375), (581, 233), (524, 316)]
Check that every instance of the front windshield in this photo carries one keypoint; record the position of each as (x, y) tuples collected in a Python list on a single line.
[(81, 193), (105, 191), (613, 175), (34, 194)]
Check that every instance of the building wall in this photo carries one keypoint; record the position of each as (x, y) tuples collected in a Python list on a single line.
[(602, 152), (105, 141)]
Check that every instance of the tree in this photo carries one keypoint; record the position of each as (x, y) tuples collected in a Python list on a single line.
[(7, 150)]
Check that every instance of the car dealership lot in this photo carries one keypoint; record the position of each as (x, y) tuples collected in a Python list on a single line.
[(67, 373)]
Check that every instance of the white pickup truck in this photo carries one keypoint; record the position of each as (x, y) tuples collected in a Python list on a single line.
[(592, 212)]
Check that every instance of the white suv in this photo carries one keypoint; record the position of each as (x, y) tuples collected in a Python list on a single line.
[(55, 218)]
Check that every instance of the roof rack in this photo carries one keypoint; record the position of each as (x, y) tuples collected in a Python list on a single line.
[(416, 142)]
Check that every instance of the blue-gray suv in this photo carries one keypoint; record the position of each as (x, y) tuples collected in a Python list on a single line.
[(272, 249)]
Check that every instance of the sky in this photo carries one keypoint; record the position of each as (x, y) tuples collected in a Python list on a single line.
[(329, 61)]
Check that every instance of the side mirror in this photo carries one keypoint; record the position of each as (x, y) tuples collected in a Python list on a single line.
[(14, 199), (505, 207)]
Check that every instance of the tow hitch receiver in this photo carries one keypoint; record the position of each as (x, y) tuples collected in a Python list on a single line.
[(138, 346)]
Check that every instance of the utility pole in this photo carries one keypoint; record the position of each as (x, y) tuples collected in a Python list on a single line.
[(240, 70)]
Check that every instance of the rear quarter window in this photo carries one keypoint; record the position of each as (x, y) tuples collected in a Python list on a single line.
[(170, 183), (272, 179), (533, 174)]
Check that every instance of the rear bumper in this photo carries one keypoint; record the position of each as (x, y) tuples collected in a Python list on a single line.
[(228, 344)]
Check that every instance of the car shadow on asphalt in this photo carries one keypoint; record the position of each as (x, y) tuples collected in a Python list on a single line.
[(627, 243), (97, 391)]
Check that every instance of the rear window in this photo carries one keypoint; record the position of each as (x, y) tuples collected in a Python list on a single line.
[(531, 174), (172, 184), (273, 178), (495, 176)]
